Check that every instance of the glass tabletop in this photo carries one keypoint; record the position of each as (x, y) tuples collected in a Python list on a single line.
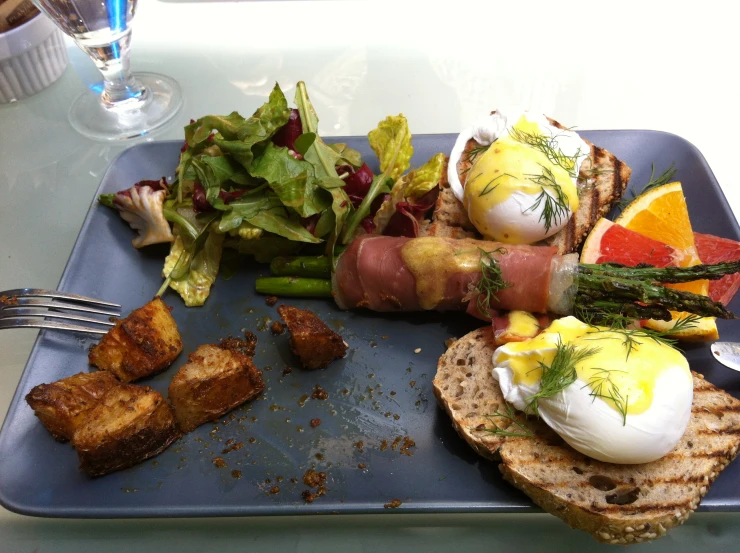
[(442, 65)]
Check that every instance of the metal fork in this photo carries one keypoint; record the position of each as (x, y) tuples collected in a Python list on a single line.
[(33, 307)]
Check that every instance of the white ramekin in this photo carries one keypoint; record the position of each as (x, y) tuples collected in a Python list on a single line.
[(32, 56)]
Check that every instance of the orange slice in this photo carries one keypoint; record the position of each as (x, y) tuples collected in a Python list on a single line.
[(661, 214)]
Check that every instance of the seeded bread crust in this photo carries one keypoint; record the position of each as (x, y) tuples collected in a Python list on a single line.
[(467, 393), (618, 504)]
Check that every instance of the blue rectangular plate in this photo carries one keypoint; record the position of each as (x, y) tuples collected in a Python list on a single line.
[(381, 391)]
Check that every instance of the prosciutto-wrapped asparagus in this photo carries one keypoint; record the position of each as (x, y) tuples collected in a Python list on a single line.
[(384, 273)]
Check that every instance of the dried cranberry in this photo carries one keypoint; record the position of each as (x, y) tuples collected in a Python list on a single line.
[(288, 133)]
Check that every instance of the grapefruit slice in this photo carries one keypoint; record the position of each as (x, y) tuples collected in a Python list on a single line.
[(655, 229), (713, 249), (612, 243)]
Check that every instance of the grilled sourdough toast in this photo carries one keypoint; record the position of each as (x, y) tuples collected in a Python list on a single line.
[(617, 504), (601, 182)]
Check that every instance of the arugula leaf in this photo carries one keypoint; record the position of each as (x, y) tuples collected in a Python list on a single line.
[(347, 155), (304, 142), (280, 221), (323, 159), (292, 180), (265, 249), (247, 207), (236, 135), (325, 224), (225, 170)]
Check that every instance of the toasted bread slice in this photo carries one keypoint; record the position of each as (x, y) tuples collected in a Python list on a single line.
[(130, 424), (468, 393), (61, 405), (142, 344), (602, 180), (624, 504), (315, 344), (615, 503), (214, 381)]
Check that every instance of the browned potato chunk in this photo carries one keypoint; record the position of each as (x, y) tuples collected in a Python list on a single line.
[(130, 424), (310, 339), (61, 405), (214, 381), (142, 344)]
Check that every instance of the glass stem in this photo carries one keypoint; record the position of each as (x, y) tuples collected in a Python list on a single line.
[(120, 86)]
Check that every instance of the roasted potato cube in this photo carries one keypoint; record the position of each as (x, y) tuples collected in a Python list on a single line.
[(142, 344), (130, 424), (61, 405), (215, 380), (311, 340)]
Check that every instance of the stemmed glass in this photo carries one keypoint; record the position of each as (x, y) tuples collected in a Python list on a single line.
[(130, 104)]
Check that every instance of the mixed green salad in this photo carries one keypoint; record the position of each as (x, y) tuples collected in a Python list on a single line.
[(268, 185)]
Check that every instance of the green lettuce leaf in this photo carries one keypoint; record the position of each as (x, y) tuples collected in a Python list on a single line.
[(411, 186), (192, 264), (423, 179), (292, 180), (391, 142)]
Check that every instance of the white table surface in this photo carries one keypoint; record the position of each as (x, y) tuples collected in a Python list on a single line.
[(627, 65)]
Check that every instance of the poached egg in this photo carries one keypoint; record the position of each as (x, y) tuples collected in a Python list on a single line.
[(521, 187), (631, 399)]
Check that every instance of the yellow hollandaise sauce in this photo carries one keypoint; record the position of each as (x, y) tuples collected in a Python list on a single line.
[(622, 365), (506, 180)]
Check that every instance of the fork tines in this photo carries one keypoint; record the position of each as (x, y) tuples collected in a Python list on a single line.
[(34, 307)]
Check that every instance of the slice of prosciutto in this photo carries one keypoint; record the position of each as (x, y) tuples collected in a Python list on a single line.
[(385, 273)]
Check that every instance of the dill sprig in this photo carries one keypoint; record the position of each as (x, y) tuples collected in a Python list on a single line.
[(632, 336), (560, 374), (548, 145), (471, 155), (474, 152), (487, 189), (555, 207), (491, 280), (664, 178), (602, 386), (520, 429)]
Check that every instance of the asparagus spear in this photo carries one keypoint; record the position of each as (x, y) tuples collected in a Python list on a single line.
[(313, 267), (603, 289), (296, 287)]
